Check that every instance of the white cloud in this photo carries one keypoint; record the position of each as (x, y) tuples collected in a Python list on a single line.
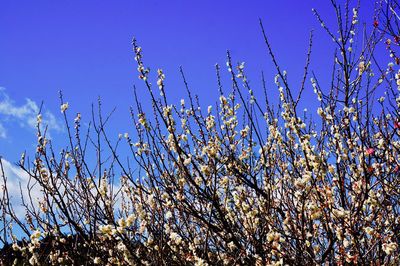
[(3, 132), (24, 114), (17, 181)]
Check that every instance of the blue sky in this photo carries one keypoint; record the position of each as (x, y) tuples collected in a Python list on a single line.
[(84, 49)]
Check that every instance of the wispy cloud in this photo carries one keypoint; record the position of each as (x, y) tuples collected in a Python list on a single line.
[(25, 114), (3, 133)]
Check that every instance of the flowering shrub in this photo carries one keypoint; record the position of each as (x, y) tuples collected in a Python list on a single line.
[(244, 182)]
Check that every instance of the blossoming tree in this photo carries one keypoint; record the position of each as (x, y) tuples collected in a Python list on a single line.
[(242, 182)]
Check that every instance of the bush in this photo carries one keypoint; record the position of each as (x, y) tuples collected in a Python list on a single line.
[(243, 182)]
